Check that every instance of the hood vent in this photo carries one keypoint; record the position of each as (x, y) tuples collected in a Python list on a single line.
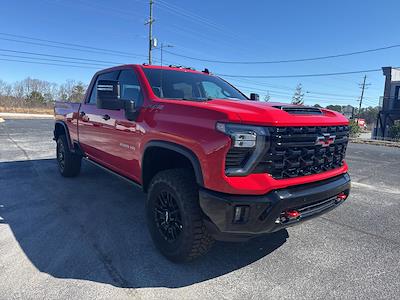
[(300, 110)]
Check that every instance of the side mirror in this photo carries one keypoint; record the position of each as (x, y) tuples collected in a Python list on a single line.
[(130, 110), (108, 95), (254, 97)]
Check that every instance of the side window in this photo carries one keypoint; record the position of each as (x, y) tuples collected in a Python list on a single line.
[(182, 90), (130, 87), (104, 76)]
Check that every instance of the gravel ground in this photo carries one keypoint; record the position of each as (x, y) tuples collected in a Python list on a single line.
[(86, 237)]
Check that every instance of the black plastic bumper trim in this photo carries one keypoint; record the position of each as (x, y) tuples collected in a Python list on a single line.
[(264, 210)]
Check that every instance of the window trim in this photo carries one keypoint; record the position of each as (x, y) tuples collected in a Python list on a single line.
[(87, 101), (94, 81), (140, 101), (397, 93)]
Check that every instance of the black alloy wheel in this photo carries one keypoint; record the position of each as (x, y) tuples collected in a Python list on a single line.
[(167, 216)]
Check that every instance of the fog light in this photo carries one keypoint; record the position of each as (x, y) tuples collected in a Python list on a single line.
[(240, 214)]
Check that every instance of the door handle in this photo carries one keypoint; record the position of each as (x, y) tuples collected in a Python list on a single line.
[(83, 117), (106, 117)]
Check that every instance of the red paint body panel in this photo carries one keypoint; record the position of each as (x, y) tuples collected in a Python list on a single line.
[(119, 144)]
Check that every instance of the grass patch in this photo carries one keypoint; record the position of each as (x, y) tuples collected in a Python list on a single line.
[(26, 110)]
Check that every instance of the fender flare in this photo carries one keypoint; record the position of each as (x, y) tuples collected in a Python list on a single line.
[(189, 154), (62, 123)]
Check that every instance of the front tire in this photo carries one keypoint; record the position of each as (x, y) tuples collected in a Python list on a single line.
[(174, 217), (69, 164)]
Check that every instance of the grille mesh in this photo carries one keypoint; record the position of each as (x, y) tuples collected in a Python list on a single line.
[(237, 157), (294, 152)]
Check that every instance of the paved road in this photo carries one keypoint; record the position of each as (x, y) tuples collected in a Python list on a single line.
[(86, 237)]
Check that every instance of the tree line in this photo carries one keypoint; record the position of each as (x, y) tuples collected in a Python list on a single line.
[(370, 113), (32, 92)]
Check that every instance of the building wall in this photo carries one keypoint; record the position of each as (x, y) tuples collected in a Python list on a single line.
[(395, 83)]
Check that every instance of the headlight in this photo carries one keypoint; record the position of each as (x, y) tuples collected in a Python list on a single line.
[(249, 144)]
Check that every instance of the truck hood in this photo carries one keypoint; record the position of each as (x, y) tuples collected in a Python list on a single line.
[(274, 113)]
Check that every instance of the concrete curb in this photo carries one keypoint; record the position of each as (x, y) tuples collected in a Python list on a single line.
[(1, 120), (4, 115), (375, 142)]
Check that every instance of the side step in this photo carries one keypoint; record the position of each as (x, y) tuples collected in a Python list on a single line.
[(113, 173)]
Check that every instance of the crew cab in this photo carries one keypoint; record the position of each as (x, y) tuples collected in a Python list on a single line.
[(215, 164)]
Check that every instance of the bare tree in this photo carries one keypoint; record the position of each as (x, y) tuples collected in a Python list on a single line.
[(31, 92)]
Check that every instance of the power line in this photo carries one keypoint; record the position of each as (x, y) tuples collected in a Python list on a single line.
[(50, 64), (280, 94), (288, 94), (288, 60), (190, 16), (331, 94), (55, 60), (59, 56), (287, 88), (68, 46), (299, 75)]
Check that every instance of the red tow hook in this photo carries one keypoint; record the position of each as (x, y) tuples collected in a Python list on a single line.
[(291, 214), (288, 215), (341, 197)]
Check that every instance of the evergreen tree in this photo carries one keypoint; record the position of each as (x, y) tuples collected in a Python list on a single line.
[(298, 97), (78, 92)]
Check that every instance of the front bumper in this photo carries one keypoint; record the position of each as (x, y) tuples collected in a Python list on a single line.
[(262, 214)]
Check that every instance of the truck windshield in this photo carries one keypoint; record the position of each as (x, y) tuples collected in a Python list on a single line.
[(171, 84)]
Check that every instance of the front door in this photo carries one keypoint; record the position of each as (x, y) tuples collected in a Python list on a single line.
[(92, 138), (106, 136)]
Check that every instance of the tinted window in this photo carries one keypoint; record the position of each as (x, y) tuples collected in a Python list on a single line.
[(104, 76), (130, 86), (189, 85)]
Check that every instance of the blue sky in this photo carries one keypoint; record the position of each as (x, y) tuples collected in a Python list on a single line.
[(219, 30)]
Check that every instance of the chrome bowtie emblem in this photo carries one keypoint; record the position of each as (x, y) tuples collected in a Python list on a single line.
[(325, 140)]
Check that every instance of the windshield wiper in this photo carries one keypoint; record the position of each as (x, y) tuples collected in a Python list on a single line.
[(198, 99)]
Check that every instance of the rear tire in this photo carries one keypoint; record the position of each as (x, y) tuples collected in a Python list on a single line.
[(174, 216), (69, 164)]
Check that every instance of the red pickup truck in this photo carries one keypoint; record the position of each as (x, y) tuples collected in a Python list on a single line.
[(214, 163)]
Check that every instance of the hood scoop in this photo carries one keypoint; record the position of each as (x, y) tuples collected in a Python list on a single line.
[(300, 110)]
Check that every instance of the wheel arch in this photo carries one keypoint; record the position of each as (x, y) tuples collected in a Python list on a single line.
[(175, 150), (61, 128)]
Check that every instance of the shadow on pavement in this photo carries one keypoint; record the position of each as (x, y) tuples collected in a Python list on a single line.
[(92, 228)]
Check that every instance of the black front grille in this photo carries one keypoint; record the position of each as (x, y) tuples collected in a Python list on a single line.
[(237, 157), (294, 152)]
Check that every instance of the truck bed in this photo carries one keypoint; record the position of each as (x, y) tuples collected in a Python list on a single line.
[(66, 110)]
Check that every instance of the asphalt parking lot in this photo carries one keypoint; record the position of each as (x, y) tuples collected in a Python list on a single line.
[(86, 237)]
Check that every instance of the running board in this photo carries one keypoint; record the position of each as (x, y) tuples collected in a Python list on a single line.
[(113, 173)]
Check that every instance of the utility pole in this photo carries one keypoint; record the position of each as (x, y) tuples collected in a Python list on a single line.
[(363, 87), (150, 23)]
